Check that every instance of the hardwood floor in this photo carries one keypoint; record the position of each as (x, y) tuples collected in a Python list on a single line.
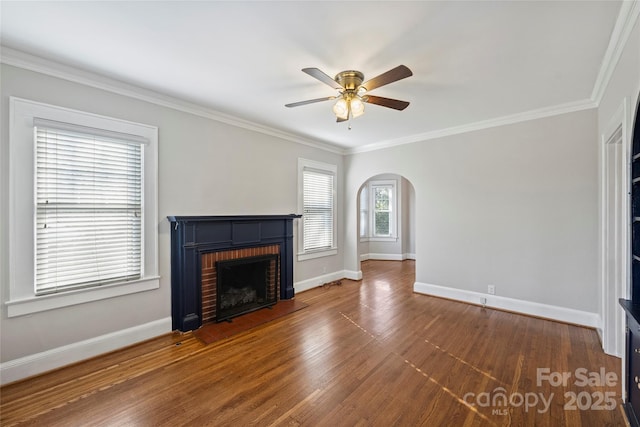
[(363, 353)]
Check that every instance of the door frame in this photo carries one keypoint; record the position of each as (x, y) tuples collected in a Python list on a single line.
[(615, 223)]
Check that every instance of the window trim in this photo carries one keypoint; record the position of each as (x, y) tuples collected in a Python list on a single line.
[(22, 209), (330, 169), (363, 226)]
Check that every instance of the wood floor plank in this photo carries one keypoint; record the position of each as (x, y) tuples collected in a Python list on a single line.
[(365, 353)]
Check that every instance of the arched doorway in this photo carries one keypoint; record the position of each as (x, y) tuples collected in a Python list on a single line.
[(386, 218)]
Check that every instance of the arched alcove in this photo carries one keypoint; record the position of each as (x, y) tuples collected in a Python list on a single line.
[(386, 232)]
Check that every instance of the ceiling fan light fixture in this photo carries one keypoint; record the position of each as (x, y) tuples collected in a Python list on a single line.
[(357, 107), (341, 109)]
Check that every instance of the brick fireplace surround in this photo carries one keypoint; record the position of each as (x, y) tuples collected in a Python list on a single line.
[(197, 242)]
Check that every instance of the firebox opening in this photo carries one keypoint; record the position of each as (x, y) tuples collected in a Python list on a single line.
[(245, 284)]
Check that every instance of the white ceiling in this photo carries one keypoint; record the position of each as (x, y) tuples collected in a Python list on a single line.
[(473, 61)]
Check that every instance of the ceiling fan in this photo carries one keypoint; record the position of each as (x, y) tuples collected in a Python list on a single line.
[(353, 93)]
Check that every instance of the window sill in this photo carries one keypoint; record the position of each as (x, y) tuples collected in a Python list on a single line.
[(303, 256), (378, 239), (49, 302)]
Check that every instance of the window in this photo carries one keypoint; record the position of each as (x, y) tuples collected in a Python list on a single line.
[(382, 209), (83, 207), (378, 211), (317, 235), (88, 207)]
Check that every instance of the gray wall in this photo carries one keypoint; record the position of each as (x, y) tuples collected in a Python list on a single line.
[(513, 206), (205, 168)]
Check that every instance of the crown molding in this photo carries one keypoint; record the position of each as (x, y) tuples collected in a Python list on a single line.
[(51, 68), (485, 124), (627, 18)]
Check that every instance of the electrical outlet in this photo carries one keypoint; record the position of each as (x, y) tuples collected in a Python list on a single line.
[(491, 290)]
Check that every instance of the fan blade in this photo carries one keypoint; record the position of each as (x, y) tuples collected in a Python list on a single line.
[(316, 73), (393, 75), (396, 104), (310, 101)]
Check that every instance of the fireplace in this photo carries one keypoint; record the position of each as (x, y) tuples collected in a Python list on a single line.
[(245, 285), (234, 261), (206, 250)]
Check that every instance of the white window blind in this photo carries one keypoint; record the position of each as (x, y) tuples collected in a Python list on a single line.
[(88, 207), (318, 210)]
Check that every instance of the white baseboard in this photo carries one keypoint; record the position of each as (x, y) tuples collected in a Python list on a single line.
[(353, 275), (561, 314), (314, 282), (387, 257), (39, 363)]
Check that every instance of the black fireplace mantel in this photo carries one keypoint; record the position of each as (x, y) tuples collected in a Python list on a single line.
[(191, 236)]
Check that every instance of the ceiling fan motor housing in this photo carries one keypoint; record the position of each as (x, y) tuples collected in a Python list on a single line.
[(350, 79)]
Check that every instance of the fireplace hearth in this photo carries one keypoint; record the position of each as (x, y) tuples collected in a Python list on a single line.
[(202, 246)]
